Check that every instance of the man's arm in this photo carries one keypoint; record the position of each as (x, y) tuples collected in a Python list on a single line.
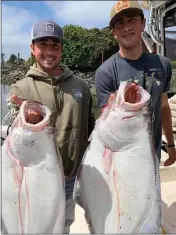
[(13, 106), (167, 118), (167, 129), (165, 108), (104, 88)]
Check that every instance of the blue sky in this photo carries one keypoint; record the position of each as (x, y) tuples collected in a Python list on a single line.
[(19, 16)]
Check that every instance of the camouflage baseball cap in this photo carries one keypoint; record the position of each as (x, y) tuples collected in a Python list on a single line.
[(48, 28), (123, 5)]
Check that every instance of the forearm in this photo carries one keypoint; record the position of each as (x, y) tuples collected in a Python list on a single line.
[(167, 124)]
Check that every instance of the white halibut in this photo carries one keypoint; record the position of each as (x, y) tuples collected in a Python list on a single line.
[(33, 195), (118, 184)]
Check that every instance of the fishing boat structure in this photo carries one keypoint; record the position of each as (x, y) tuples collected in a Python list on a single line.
[(162, 16)]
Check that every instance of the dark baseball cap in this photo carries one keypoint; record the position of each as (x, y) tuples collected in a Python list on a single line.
[(49, 28)]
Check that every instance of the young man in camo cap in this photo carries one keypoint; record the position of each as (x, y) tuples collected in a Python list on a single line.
[(66, 95)]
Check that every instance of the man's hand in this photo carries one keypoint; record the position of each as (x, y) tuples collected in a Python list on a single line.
[(111, 99), (172, 156), (32, 116)]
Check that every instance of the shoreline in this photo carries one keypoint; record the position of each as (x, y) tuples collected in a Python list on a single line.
[(17, 71)]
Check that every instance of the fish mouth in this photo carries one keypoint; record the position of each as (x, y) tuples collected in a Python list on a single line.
[(36, 106), (129, 83), (126, 89), (32, 111)]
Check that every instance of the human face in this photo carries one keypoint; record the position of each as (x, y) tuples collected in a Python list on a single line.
[(47, 52), (128, 28)]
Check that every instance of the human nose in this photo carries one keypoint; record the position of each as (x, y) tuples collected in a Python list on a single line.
[(127, 25), (127, 28), (48, 51)]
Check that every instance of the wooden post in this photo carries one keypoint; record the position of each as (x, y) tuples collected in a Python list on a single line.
[(18, 57)]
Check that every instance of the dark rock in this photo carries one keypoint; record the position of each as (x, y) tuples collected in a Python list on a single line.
[(12, 73)]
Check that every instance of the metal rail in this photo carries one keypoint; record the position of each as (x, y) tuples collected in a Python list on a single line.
[(155, 25)]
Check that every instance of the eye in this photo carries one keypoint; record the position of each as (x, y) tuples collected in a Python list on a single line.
[(42, 44), (120, 23)]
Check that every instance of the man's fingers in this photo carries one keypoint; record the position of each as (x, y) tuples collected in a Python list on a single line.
[(15, 99), (111, 98), (169, 162)]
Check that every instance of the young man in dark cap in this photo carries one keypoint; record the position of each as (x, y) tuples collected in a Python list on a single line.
[(66, 95), (151, 71)]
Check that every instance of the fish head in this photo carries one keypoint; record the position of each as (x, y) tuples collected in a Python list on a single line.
[(124, 122), (27, 140)]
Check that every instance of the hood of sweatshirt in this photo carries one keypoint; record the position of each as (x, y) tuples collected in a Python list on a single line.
[(38, 74)]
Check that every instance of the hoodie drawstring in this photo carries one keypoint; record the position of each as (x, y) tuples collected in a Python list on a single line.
[(55, 102)]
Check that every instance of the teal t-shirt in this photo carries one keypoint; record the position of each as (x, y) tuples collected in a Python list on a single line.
[(153, 72)]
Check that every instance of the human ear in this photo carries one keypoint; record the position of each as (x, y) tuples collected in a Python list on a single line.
[(144, 23), (113, 32), (32, 48)]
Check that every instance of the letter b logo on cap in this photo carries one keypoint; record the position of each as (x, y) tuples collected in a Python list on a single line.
[(49, 27)]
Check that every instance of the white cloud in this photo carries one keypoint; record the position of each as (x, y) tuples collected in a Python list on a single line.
[(16, 26), (85, 13)]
